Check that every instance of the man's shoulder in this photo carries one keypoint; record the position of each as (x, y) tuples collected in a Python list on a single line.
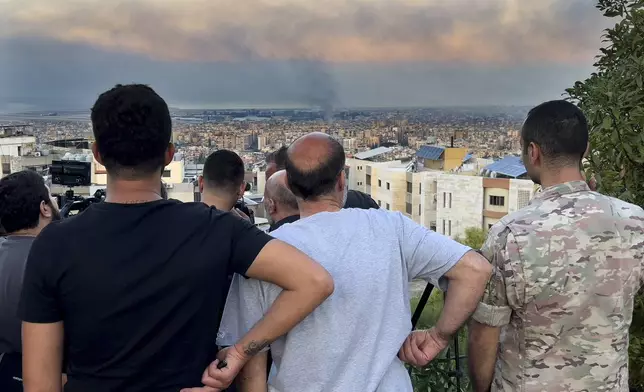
[(357, 199)]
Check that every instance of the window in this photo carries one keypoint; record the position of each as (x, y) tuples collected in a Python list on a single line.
[(420, 188), (387, 206), (523, 199), (449, 223), (388, 186), (450, 200), (408, 208), (6, 168), (444, 201), (497, 200), (409, 190), (166, 173), (19, 151), (379, 203), (368, 179), (444, 232), (432, 227), (379, 184), (419, 210)]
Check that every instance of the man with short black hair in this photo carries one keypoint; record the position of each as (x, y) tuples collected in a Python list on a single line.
[(557, 311), (352, 341), (26, 207), (222, 182), (135, 283)]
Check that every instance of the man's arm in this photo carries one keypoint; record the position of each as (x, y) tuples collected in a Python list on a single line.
[(466, 282), (305, 284), (42, 357), (42, 327), (455, 268), (495, 309), (253, 376), (482, 347)]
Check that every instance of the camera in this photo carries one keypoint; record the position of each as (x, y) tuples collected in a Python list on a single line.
[(71, 174), (241, 206)]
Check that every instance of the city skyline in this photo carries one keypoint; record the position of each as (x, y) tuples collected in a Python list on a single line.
[(342, 53)]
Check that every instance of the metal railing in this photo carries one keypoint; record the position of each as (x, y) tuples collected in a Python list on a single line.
[(456, 373)]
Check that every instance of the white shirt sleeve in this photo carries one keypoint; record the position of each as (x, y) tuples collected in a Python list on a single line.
[(428, 255), (245, 306)]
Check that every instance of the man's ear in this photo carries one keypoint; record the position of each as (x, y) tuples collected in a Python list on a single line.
[(342, 180), (270, 206), (96, 154), (46, 210), (169, 154), (200, 182), (534, 153)]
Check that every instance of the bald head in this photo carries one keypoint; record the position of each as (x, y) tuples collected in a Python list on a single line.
[(314, 164), (280, 201)]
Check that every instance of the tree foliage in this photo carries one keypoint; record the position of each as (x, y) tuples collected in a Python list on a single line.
[(613, 100), (474, 237)]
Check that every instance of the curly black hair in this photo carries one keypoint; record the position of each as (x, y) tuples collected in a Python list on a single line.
[(20, 196), (132, 128)]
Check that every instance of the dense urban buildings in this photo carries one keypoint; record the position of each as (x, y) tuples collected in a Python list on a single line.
[(447, 169)]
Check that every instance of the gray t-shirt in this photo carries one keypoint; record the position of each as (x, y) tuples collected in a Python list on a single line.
[(13, 259), (350, 342)]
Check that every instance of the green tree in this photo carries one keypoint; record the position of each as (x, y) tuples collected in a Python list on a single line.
[(474, 237), (613, 100)]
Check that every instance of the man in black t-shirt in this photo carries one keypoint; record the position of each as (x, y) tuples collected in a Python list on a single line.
[(131, 289)]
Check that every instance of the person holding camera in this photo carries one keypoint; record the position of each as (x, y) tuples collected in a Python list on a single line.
[(222, 184), (26, 207), (131, 289)]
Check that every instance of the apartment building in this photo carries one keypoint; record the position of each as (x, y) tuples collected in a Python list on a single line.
[(445, 202)]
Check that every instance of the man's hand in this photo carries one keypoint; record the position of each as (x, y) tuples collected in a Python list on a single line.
[(421, 347), (222, 372)]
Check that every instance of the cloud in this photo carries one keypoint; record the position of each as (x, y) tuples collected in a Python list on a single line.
[(49, 75), (468, 31)]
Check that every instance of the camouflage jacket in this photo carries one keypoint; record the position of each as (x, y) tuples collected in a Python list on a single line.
[(567, 267)]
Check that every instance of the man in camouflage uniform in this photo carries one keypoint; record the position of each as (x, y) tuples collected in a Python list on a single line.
[(556, 313)]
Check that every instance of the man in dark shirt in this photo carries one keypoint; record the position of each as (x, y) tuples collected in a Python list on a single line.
[(280, 203), (26, 207), (135, 284), (222, 182), (276, 161)]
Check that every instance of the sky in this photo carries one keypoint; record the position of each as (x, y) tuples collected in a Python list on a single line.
[(60, 54)]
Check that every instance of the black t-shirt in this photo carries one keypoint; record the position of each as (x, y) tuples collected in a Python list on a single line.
[(139, 289), (357, 199)]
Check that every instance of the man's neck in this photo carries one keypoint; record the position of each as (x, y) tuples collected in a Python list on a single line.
[(556, 177), (134, 191), (219, 202), (308, 208)]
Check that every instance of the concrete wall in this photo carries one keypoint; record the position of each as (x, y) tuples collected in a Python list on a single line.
[(466, 207)]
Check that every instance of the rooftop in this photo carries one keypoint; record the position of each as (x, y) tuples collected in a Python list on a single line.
[(372, 153), (433, 153), (510, 166)]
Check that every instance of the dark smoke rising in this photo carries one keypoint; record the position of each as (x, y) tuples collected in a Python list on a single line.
[(318, 85)]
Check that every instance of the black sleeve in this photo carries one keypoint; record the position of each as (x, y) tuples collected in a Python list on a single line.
[(39, 299), (247, 242), (357, 199)]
